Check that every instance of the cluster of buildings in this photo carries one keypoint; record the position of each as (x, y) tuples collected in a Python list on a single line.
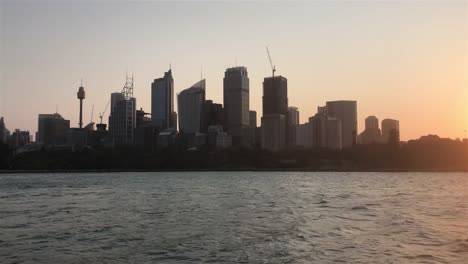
[(373, 134), (201, 122)]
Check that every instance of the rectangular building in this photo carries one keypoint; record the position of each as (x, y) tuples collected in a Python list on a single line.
[(273, 132), (162, 101), (236, 104), (122, 118), (52, 129), (346, 111)]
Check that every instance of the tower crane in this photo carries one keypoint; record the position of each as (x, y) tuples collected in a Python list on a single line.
[(273, 67), (105, 109)]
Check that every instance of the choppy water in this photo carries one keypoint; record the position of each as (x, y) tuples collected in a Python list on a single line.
[(234, 217)]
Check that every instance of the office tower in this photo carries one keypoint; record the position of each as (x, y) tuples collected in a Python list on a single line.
[(252, 126), (326, 131), (371, 133), (162, 102), (275, 101), (214, 114), (122, 118), (303, 135), (275, 96), (390, 126), (52, 129), (191, 102), (81, 95), (236, 104), (318, 124), (346, 111), (293, 115), (293, 122), (273, 132), (334, 133)]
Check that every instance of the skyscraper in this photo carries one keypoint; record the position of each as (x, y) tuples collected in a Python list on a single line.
[(293, 115), (326, 131), (293, 122), (122, 118), (275, 96), (162, 101), (346, 111), (275, 112), (236, 104), (273, 132), (389, 125), (191, 104)]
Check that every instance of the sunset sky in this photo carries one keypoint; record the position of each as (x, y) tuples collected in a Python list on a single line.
[(406, 60)]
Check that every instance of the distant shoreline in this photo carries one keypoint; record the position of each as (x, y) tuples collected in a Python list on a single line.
[(220, 170)]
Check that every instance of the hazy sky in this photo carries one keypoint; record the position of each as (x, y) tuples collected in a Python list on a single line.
[(406, 60)]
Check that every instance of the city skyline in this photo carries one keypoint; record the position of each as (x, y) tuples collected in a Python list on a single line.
[(424, 87)]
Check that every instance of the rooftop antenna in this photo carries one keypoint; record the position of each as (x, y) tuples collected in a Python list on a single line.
[(56, 109), (201, 72), (273, 67)]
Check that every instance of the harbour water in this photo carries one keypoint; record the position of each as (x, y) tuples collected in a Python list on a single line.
[(234, 217)]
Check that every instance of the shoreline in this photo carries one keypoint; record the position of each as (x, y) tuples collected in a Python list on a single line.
[(224, 170)]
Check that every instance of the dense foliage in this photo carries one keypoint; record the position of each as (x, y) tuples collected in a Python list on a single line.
[(429, 153)]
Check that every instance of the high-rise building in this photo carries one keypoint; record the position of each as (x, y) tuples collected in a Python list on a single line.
[(275, 100), (334, 133), (275, 96), (346, 111), (303, 135), (122, 116), (371, 133), (293, 122), (293, 115), (326, 131), (236, 104), (162, 101), (191, 104), (52, 129), (273, 132), (390, 126)]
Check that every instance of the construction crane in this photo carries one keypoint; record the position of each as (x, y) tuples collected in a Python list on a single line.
[(105, 109), (273, 67)]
